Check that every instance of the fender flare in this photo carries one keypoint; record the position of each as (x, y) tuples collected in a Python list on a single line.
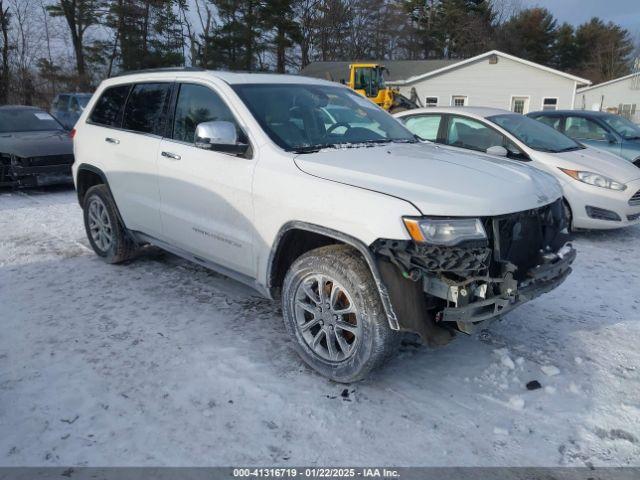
[(348, 240), (93, 169)]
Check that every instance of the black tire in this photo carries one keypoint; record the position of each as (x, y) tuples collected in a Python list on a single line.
[(568, 215), (121, 248), (374, 343)]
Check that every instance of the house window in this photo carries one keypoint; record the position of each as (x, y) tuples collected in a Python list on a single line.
[(458, 100), (549, 103), (627, 110), (431, 102), (520, 105)]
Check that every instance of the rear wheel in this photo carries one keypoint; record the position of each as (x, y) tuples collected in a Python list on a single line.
[(332, 311), (106, 234)]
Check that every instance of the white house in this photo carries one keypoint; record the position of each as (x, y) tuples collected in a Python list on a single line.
[(492, 79), (495, 79), (621, 95)]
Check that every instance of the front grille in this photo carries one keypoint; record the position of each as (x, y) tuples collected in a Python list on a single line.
[(633, 217), (48, 160), (523, 236), (602, 214), (635, 200)]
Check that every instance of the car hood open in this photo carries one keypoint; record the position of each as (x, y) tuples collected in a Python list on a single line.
[(36, 144), (438, 181)]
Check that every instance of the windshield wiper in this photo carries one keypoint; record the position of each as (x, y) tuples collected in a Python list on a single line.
[(312, 148), (569, 149)]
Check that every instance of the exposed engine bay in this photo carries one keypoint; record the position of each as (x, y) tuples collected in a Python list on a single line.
[(524, 255)]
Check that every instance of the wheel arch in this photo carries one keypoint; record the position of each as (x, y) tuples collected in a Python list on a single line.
[(88, 176), (297, 237)]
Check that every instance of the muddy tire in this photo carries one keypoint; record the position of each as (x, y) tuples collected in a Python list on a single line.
[(334, 315), (106, 234)]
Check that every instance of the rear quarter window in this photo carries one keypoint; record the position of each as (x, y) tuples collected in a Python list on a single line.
[(109, 107)]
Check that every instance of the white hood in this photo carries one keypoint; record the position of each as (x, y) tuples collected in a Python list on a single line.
[(597, 161), (436, 180)]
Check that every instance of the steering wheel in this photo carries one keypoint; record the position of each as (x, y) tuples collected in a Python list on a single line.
[(339, 124)]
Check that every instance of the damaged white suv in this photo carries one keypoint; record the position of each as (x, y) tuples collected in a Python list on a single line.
[(306, 190)]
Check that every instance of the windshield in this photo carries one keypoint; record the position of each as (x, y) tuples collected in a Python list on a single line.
[(624, 127), (27, 120), (83, 100), (535, 134), (304, 118)]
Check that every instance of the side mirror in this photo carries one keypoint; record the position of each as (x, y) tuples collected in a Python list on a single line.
[(219, 135), (610, 138), (497, 150)]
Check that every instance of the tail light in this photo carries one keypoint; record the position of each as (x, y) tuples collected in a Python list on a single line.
[(72, 133)]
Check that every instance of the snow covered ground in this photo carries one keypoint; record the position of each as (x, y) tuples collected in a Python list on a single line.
[(161, 362)]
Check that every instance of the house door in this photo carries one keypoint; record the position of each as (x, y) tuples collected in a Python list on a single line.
[(520, 105)]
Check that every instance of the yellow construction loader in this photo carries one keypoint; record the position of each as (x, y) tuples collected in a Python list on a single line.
[(368, 80)]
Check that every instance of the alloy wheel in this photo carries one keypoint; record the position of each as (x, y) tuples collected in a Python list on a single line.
[(100, 224), (327, 318)]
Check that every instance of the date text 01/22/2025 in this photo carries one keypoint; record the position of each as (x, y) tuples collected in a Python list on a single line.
[(315, 473)]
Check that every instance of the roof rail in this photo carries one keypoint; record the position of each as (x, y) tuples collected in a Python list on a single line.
[(159, 70)]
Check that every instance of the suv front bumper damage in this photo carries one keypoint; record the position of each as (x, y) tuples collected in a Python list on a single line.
[(524, 255), (541, 279)]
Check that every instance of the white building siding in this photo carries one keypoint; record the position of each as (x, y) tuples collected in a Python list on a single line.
[(487, 85), (611, 95)]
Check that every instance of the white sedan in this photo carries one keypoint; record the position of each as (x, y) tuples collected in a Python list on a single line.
[(601, 191)]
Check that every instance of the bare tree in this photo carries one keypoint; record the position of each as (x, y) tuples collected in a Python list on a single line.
[(4, 73), (79, 15)]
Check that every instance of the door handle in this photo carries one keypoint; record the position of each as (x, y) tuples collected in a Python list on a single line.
[(112, 140), (170, 155)]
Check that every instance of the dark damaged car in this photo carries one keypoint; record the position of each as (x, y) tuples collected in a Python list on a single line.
[(35, 149)]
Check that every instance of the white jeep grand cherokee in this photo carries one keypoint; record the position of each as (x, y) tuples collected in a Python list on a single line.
[(304, 189)]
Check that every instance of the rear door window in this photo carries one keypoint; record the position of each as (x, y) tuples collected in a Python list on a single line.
[(146, 108), (472, 134), (109, 107), (424, 126)]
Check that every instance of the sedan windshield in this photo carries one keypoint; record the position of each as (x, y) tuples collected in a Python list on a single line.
[(535, 134), (26, 120), (624, 127), (305, 118)]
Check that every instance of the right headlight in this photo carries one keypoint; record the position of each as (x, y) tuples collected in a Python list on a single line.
[(594, 179), (447, 232)]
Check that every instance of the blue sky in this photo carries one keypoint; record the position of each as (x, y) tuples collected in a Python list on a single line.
[(623, 12)]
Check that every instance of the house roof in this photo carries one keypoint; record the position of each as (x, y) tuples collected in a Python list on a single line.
[(607, 83), (460, 63), (397, 69)]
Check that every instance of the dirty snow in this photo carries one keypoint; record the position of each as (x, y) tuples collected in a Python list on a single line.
[(163, 363)]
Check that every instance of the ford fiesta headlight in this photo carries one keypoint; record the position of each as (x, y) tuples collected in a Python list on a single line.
[(594, 179), (447, 232)]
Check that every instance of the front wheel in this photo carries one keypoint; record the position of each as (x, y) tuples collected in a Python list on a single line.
[(333, 312)]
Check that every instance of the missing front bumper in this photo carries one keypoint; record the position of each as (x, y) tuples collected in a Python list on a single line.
[(541, 279)]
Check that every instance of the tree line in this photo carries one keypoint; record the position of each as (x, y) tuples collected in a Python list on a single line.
[(47, 46)]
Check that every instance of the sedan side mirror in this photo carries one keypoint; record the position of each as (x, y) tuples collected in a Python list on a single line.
[(610, 138), (497, 150), (219, 135)]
